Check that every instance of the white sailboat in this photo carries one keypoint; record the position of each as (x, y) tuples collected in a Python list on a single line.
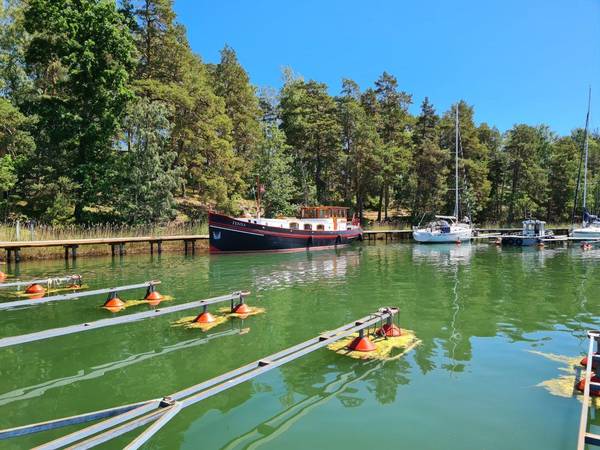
[(591, 224), (446, 228)]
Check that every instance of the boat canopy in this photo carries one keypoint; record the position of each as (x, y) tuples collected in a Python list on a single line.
[(323, 212), (446, 217)]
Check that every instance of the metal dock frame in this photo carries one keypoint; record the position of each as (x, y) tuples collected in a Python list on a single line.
[(76, 295), (584, 436), (65, 279), (102, 323), (123, 419)]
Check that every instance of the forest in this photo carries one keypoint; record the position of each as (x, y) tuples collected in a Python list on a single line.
[(107, 115)]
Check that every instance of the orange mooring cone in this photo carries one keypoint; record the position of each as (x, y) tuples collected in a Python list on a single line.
[(205, 317), (241, 308), (389, 330), (584, 361), (361, 343), (153, 295), (113, 301), (35, 289), (581, 386)]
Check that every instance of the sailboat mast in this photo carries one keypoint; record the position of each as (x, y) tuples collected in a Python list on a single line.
[(456, 166), (585, 150)]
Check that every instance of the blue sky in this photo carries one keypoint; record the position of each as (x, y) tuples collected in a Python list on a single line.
[(515, 61)]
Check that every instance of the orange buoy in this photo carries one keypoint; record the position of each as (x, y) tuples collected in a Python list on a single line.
[(35, 289), (205, 317), (361, 343), (241, 308), (2, 276), (113, 301), (581, 386), (584, 361), (390, 330), (153, 295)]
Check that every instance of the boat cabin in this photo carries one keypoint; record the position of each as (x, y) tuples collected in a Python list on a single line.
[(312, 218), (323, 212), (534, 228)]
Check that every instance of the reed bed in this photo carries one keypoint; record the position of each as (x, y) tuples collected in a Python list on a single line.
[(43, 232)]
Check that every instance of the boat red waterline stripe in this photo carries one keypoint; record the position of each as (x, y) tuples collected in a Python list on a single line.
[(280, 234), (215, 250)]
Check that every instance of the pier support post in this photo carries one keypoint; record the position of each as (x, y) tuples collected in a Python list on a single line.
[(17, 255), (8, 255), (74, 252), (193, 242), (159, 247), (66, 252), (185, 247), (151, 248), (121, 249)]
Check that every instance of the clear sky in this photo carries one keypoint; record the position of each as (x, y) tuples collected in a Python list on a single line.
[(515, 61)]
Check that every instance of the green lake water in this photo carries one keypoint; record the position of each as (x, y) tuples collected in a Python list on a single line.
[(481, 312)]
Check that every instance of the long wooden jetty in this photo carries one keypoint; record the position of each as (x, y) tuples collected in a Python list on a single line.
[(115, 422), (117, 244)]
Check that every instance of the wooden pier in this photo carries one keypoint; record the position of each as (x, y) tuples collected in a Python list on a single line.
[(13, 249), (479, 233)]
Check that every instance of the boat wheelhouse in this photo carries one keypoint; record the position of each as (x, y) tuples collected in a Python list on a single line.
[(534, 232), (316, 227)]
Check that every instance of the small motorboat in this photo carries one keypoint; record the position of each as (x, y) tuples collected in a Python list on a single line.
[(534, 233)]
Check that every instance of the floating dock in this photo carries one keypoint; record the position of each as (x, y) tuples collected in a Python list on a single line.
[(158, 412), (75, 295), (590, 385), (103, 323)]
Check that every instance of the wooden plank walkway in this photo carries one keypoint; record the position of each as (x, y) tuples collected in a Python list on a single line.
[(13, 248)]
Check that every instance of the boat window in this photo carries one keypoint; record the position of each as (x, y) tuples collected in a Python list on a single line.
[(320, 227), (307, 226), (294, 225)]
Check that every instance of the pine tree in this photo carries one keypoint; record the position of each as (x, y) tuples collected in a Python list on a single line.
[(232, 84), (148, 194), (80, 55), (430, 163), (309, 120)]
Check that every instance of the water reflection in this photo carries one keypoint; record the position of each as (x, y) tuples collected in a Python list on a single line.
[(443, 254), (311, 267)]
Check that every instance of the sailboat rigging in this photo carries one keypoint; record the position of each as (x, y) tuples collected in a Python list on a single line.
[(590, 224), (447, 228)]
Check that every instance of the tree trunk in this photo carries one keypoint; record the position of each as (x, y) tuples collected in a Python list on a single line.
[(386, 201), (380, 204)]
